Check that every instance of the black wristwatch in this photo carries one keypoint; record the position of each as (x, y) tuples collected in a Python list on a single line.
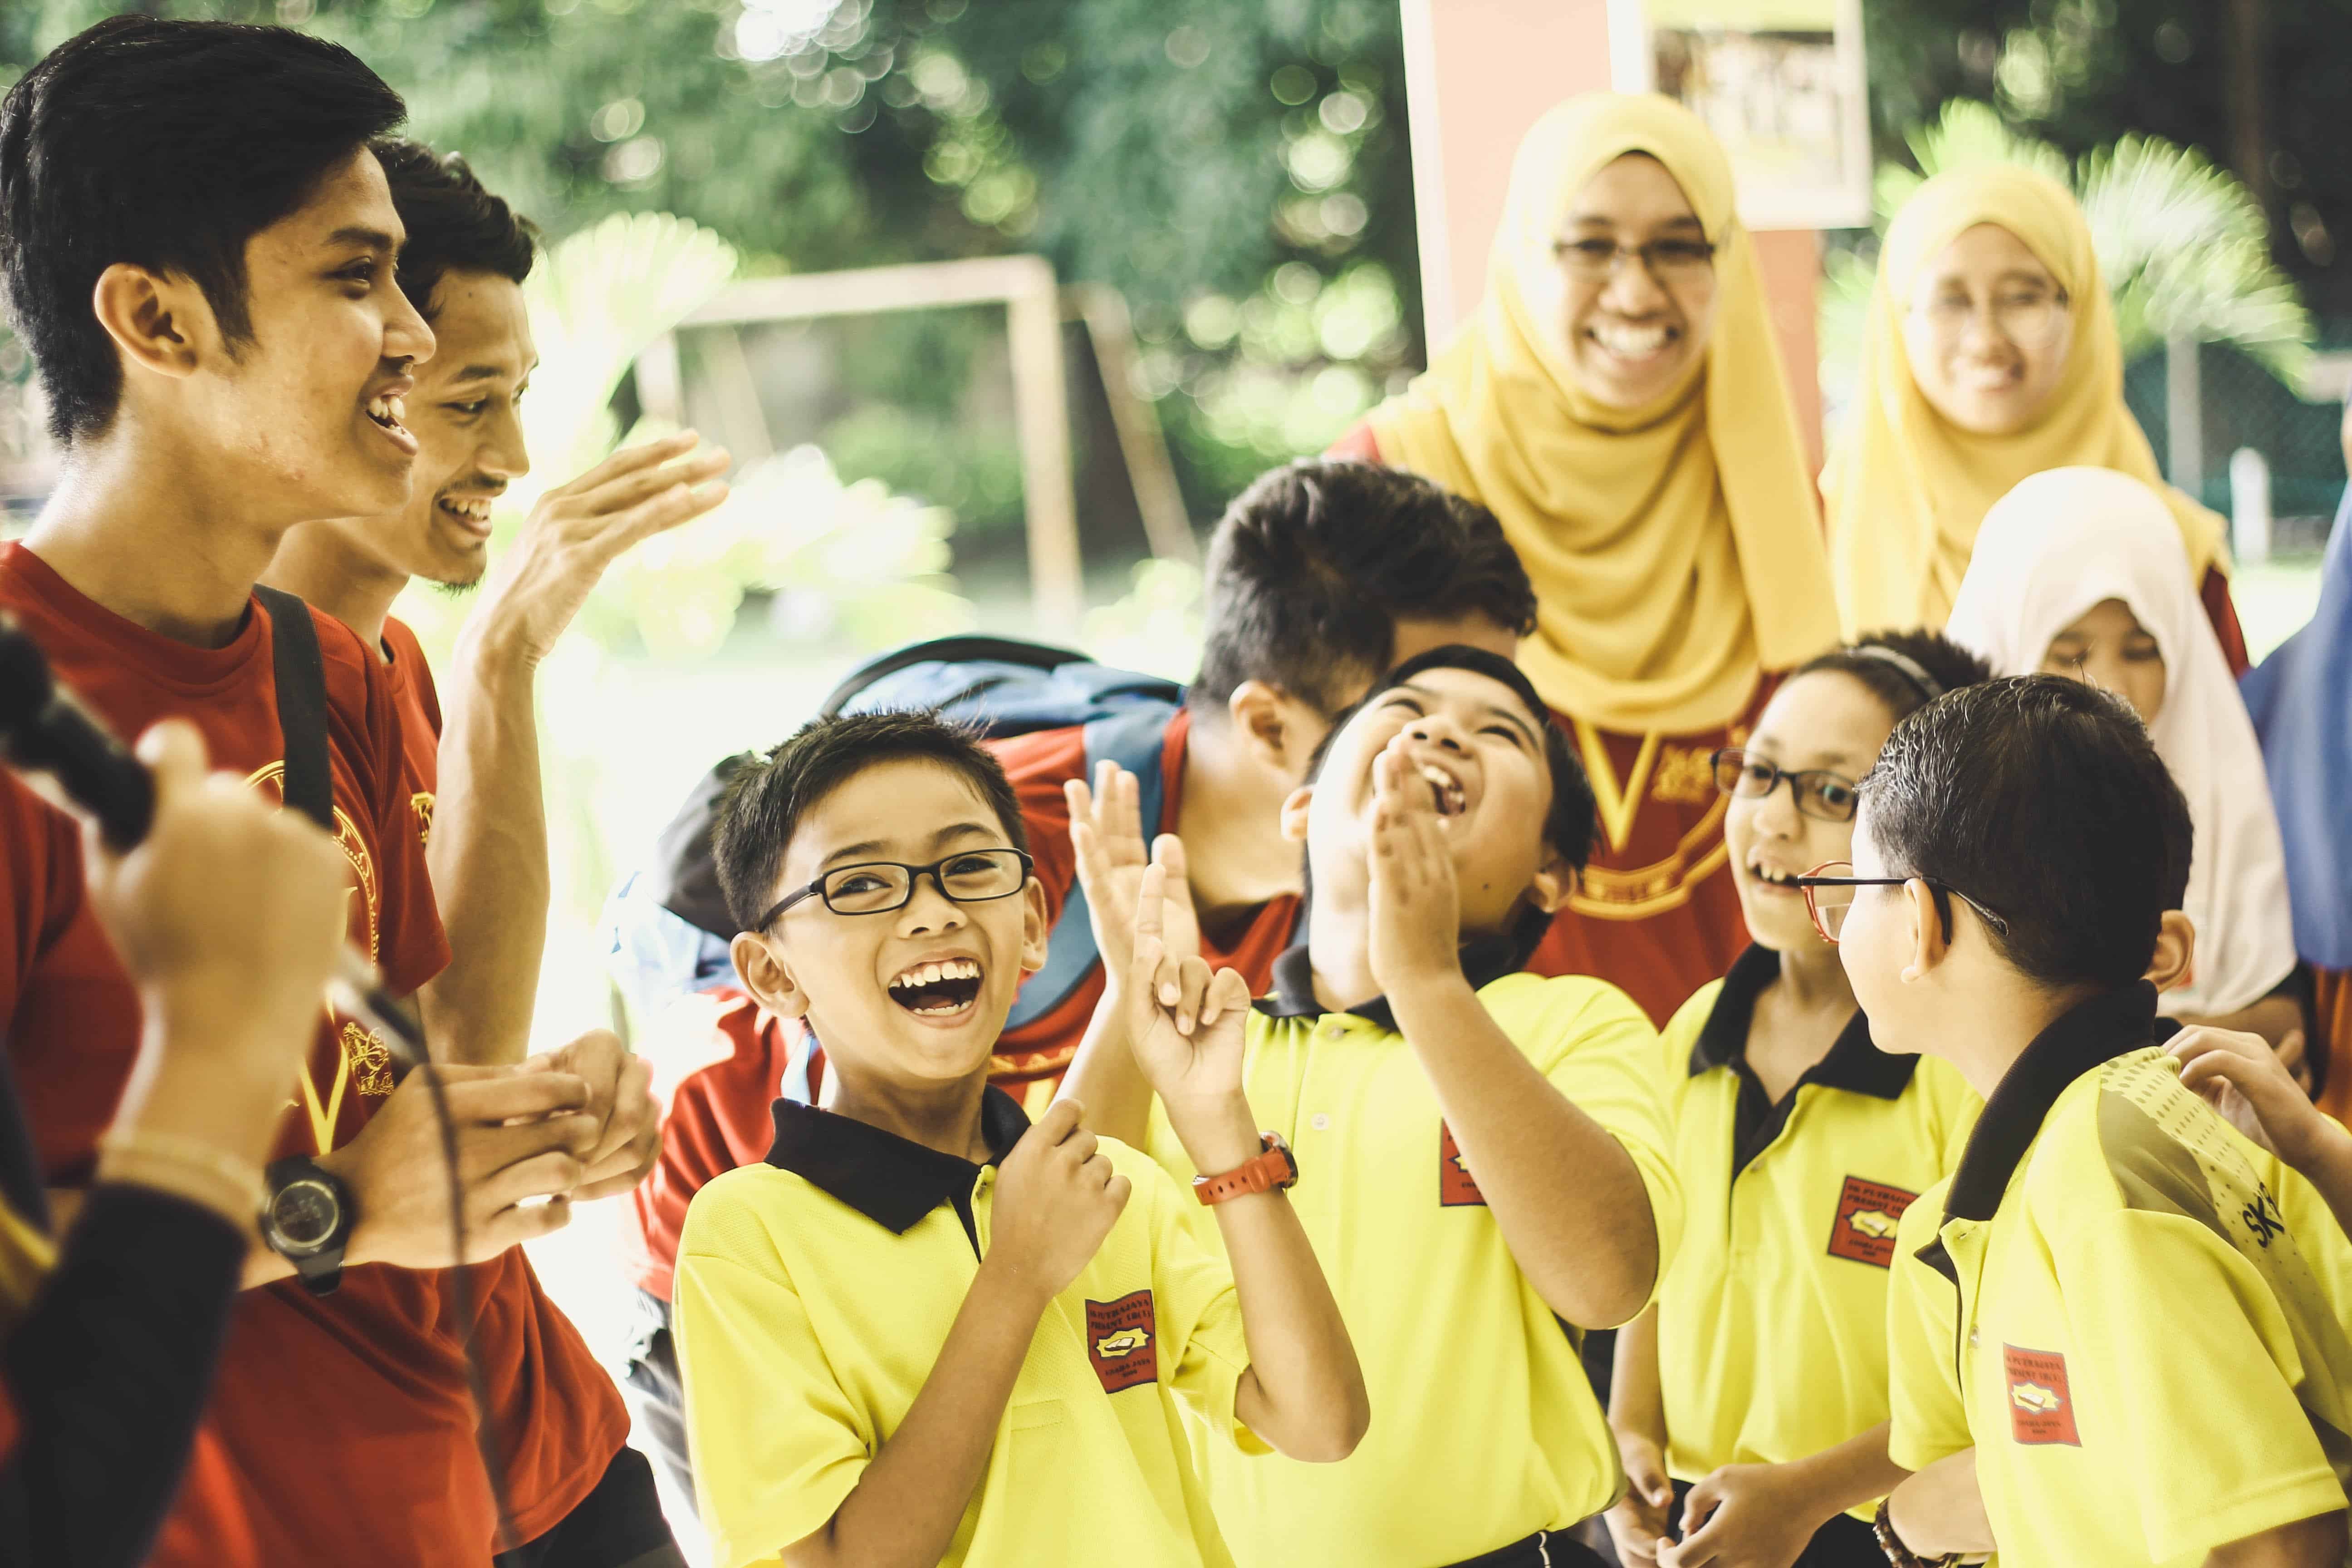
[(305, 1218)]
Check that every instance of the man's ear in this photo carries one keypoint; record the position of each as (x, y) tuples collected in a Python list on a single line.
[(1928, 948), (1274, 727), (2175, 964), (1294, 813), (767, 976), (158, 321), (1553, 885), (1033, 927)]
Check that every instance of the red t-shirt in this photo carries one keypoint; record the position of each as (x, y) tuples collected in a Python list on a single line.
[(342, 1425), (558, 1417), (717, 1108)]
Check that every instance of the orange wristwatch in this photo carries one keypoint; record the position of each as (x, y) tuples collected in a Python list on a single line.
[(1271, 1172)]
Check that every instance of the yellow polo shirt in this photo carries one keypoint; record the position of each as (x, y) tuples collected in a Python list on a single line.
[(1772, 1322), (814, 1292), (1483, 1427), (2142, 1314)]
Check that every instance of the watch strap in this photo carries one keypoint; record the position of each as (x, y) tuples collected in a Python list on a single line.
[(1274, 1170)]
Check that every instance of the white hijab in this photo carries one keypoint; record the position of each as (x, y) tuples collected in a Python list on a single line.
[(2065, 540)]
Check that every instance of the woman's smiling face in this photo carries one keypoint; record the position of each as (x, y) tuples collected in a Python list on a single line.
[(1633, 327)]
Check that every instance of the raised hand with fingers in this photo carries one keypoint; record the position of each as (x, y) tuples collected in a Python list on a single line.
[(1107, 834), (1416, 911), (1184, 1024), (1056, 1199), (579, 529)]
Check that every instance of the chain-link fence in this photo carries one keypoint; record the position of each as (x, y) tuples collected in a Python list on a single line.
[(2240, 405)]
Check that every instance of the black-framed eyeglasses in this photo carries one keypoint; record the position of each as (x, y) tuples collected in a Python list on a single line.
[(1828, 894), (1831, 796), (878, 887), (1667, 260)]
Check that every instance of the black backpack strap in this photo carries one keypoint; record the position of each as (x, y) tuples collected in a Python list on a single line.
[(301, 674)]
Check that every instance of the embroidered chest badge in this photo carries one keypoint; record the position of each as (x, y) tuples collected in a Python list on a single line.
[(1457, 1187), (1867, 1215), (1123, 1341), (2041, 1406)]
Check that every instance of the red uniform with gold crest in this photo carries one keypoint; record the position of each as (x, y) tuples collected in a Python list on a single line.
[(341, 1426), (559, 1415)]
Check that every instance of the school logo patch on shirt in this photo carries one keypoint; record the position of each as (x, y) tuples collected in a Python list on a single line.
[(2041, 1406), (1123, 1341), (1866, 1213), (1457, 1187)]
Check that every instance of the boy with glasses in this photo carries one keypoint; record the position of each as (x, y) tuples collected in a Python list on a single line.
[(2118, 1332), (924, 1331)]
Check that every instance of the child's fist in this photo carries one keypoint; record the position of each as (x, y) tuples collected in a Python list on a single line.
[(1056, 1198)]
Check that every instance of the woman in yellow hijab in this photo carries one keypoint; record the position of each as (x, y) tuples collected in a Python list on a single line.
[(1991, 355), (1618, 403)]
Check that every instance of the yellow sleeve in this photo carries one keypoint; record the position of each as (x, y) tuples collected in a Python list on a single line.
[(1596, 1048), (1198, 1309), (777, 1446), (1928, 1419), (2186, 1369)]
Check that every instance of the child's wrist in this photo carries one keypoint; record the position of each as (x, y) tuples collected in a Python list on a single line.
[(1217, 1130), (1017, 1288)]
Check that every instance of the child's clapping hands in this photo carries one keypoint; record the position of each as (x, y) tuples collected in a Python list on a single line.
[(1416, 915)]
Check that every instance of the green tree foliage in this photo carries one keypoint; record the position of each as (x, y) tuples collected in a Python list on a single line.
[(1236, 168)]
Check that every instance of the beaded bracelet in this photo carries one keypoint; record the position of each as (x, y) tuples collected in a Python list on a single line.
[(1898, 1554), (186, 1168)]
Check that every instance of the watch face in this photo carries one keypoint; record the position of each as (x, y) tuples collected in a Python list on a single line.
[(304, 1214)]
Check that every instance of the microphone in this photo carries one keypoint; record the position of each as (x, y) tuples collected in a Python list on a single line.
[(44, 730)]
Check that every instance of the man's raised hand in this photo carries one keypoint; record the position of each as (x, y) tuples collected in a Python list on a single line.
[(1106, 836), (579, 529)]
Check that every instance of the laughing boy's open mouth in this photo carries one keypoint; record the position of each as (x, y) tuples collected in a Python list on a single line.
[(929, 989)]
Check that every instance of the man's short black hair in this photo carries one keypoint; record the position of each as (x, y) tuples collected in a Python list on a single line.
[(2043, 799), (1569, 825), (769, 795), (453, 223), (167, 145), (1314, 564), (1905, 671)]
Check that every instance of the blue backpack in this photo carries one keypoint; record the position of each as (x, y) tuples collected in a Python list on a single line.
[(666, 927)]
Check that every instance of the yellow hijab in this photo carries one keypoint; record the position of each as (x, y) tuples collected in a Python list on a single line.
[(1907, 489), (1675, 549)]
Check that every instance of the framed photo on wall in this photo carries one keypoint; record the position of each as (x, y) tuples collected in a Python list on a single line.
[(1782, 82)]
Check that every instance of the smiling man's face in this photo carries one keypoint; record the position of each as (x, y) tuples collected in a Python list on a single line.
[(466, 414)]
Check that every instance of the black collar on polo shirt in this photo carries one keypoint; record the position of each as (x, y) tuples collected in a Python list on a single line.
[(890, 1180), (2091, 1032), (1853, 1062), (1483, 961)]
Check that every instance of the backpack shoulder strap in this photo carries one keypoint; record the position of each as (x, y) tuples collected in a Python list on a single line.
[(1134, 739), (302, 675)]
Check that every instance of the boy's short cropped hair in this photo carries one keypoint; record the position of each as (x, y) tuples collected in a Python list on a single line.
[(2043, 799), (1905, 671), (1312, 566), (168, 144), (771, 793), (1569, 826), (453, 223)]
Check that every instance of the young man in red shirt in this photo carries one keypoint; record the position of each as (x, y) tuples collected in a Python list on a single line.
[(474, 784), (198, 244), (1321, 577)]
